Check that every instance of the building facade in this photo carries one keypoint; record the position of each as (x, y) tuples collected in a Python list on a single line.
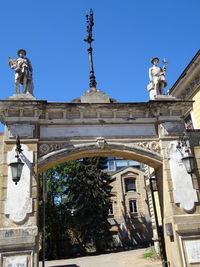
[(187, 87), (128, 207)]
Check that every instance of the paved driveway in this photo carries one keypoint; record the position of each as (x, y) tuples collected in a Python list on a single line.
[(129, 258)]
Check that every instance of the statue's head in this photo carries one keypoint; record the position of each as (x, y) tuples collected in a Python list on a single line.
[(21, 53), (154, 60)]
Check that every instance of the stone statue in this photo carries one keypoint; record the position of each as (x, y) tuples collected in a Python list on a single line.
[(23, 72), (157, 78)]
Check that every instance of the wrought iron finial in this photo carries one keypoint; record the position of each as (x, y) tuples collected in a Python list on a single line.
[(89, 40)]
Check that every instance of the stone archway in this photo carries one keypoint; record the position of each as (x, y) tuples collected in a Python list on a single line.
[(54, 132), (147, 152)]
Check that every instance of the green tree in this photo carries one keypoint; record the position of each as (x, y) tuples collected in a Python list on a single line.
[(57, 214), (78, 193), (88, 193)]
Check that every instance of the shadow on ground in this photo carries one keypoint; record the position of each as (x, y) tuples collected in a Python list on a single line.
[(68, 265)]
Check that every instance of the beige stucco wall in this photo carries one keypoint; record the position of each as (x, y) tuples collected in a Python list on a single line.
[(141, 225), (196, 108)]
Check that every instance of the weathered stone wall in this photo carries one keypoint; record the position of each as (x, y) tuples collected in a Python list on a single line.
[(138, 131), (18, 223)]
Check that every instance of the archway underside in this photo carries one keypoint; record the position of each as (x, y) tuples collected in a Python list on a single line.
[(150, 158)]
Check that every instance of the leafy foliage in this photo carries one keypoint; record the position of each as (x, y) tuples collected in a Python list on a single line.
[(88, 194), (78, 193), (151, 253)]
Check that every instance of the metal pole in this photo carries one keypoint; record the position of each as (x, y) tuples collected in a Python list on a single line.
[(160, 235), (43, 217), (92, 77), (89, 40)]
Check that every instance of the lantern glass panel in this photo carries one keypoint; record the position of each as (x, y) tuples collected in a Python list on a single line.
[(16, 170), (189, 163)]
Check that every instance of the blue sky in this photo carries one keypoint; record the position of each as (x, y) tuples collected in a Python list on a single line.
[(127, 34)]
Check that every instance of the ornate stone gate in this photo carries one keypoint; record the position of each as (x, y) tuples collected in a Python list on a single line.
[(52, 133)]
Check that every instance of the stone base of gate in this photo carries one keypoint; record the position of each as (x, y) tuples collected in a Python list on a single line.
[(18, 247), (182, 240)]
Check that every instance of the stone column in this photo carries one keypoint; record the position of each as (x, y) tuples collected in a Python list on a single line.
[(19, 210), (179, 203)]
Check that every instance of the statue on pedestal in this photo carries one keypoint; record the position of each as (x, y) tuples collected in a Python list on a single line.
[(157, 78), (23, 72)]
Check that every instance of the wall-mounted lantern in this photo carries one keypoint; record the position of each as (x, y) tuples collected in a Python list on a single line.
[(17, 166), (187, 157), (188, 162)]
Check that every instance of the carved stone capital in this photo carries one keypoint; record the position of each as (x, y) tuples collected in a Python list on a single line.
[(47, 148), (149, 145)]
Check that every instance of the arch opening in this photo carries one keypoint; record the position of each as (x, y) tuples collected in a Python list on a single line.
[(151, 158), (128, 206)]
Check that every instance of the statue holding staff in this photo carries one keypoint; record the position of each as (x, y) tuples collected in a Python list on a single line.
[(157, 78), (23, 72)]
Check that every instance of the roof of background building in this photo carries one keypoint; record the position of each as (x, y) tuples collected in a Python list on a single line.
[(184, 73), (122, 169)]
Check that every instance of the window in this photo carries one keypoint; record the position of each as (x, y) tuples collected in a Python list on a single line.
[(114, 164), (110, 165), (133, 163), (133, 206), (130, 185), (121, 163), (110, 208)]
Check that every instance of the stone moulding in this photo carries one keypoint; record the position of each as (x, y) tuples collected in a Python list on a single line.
[(115, 149), (89, 131), (192, 86), (153, 146), (19, 232), (47, 148), (22, 130), (68, 113), (19, 258), (101, 143)]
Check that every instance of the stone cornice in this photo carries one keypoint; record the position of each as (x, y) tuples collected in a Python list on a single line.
[(193, 86), (44, 112), (188, 80)]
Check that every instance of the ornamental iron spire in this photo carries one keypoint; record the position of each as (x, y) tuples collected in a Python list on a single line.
[(89, 40)]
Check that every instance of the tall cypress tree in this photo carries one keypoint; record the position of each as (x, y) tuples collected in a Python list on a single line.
[(88, 192), (86, 189)]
